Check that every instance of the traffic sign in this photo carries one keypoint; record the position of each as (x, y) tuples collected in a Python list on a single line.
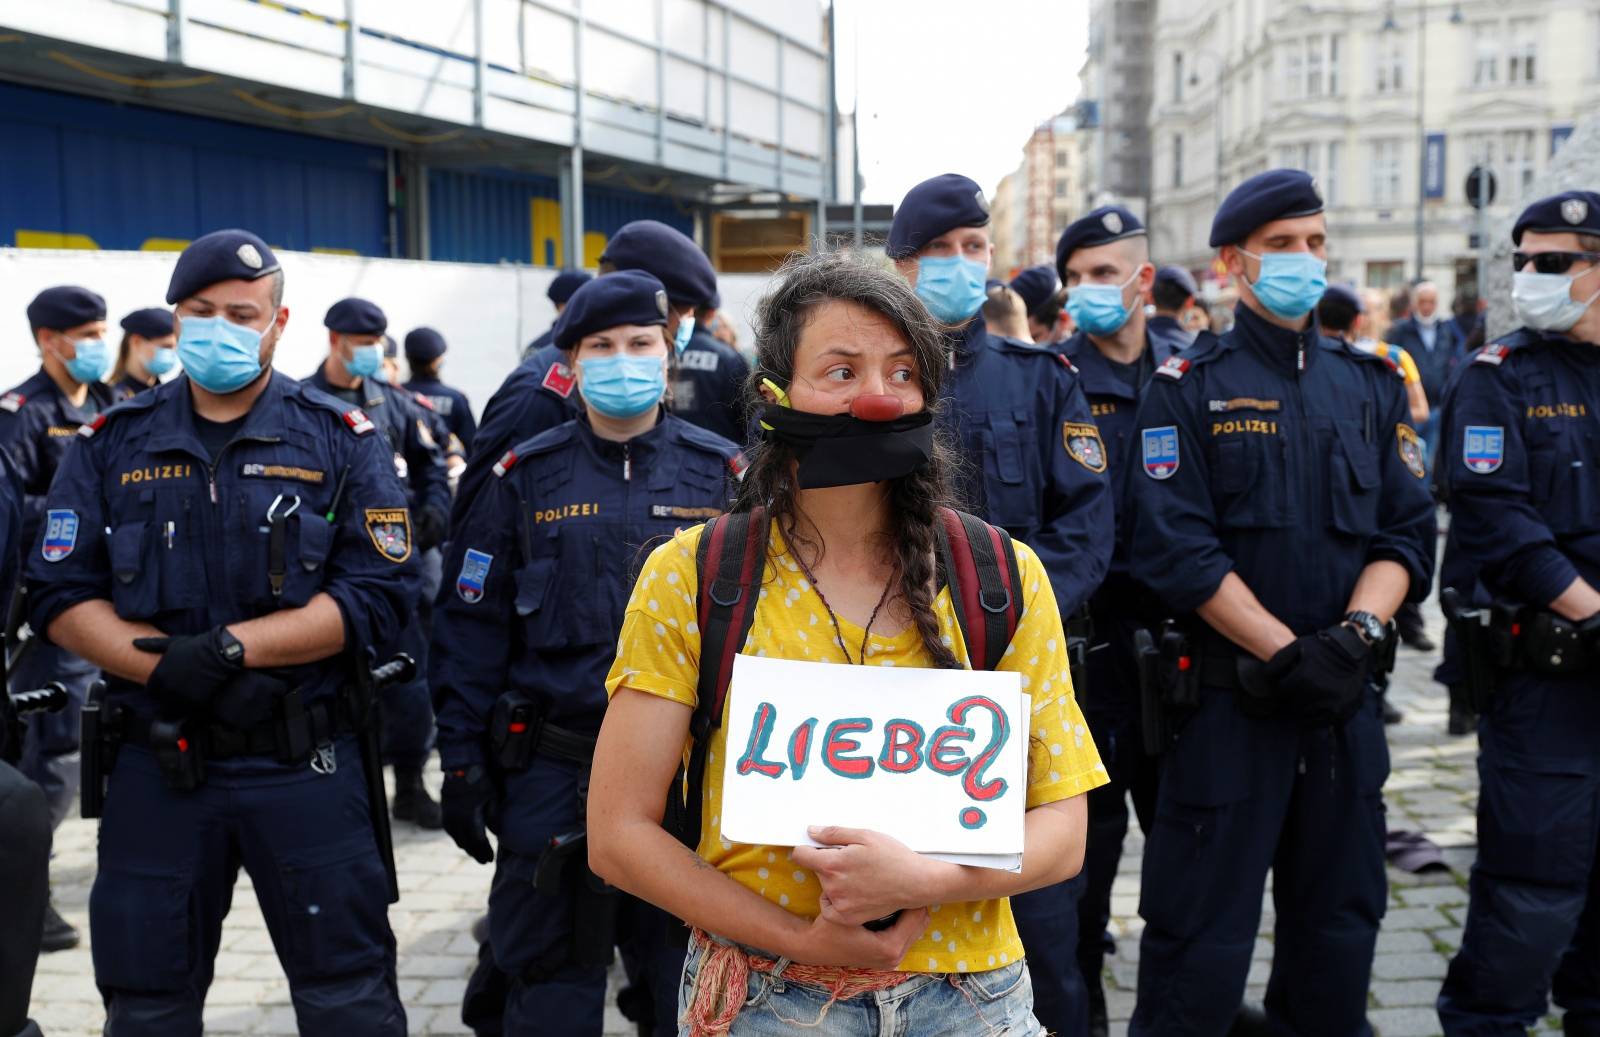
[(1481, 185)]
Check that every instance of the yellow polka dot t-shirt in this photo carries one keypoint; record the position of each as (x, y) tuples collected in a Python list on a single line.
[(659, 654)]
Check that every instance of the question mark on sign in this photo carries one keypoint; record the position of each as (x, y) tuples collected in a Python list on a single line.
[(973, 781)]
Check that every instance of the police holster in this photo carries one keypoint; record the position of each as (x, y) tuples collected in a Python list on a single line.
[(367, 709), (99, 730), (1080, 642), (1483, 648), (519, 731), (1169, 684)]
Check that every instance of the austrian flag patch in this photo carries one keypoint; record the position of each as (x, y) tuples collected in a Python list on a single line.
[(559, 380), (358, 421)]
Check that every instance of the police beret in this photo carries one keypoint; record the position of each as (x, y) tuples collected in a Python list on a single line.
[(424, 344), (1342, 293), (65, 306), (1277, 194), (151, 323), (566, 282), (1036, 285), (1101, 226), (934, 207), (222, 255), (1179, 276), (355, 317), (1570, 212), (671, 257), (625, 297)]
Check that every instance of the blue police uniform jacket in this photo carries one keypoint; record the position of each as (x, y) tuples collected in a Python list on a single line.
[(451, 405), (410, 432), (1435, 365), (37, 424), (1113, 404), (538, 395), (546, 339), (141, 516), (1283, 456), (127, 386), (1034, 461), (1168, 336), (1519, 461), (708, 386), (538, 576), (10, 526)]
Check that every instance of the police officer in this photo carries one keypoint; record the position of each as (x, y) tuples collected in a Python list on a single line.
[(1172, 292), (1520, 463), (709, 376), (425, 349), (1104, 259), (224, 546), (24, 814), (352, 373), (1042, 295), (38, 419), (1035, 465), (1280, 510), (541, 571), (147, 352), (540, 395), (560, 290)]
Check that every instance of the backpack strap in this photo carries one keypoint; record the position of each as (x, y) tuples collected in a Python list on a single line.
[(729, 560), (979, 563)]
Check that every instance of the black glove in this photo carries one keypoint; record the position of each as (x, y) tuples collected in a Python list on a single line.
[(193, 668), (248, 699), (1321, 676), (431, 526), (467, 799)]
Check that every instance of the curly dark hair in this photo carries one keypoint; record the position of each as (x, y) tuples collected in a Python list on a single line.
[(804, 283)]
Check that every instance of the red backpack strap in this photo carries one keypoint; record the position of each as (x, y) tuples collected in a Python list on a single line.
[(979, 563), (729, 561)]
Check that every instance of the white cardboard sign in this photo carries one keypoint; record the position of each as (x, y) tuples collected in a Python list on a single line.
[(935, 758)]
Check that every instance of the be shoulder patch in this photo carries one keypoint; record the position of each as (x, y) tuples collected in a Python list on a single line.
[(89, 428), (358, 421), (60, 534), (1174, 367), (474, 574), (12, 402), (559, 380), (1495, 353), (508, 460)]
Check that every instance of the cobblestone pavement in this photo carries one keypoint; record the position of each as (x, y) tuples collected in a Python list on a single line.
[(1433, 789)]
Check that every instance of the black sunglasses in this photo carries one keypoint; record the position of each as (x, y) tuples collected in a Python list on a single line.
[(1552, 262)]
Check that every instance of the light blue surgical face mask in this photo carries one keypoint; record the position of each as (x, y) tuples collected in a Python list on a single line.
[(1290, 284), (161, 361), (219, 355), (622, 386), (365, 361), (681, 337), (92, 362), (952, 287), (1544, 301), (1098, 308)]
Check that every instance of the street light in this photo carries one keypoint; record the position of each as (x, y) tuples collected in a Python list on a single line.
[(1391, 25)]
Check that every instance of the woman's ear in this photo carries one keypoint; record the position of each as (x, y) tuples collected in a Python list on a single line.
[(771, 393)]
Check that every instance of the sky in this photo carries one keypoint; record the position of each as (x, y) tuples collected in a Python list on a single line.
[(953, 85)]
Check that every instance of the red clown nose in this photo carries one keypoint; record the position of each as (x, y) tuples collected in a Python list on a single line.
[(877, 408)]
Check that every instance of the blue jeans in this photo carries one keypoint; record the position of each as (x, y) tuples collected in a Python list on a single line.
[(997, 1003)]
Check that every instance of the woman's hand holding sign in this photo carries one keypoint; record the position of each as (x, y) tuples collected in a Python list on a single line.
[(864, 874)]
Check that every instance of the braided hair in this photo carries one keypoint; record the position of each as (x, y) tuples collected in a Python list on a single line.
[(804, 283)]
